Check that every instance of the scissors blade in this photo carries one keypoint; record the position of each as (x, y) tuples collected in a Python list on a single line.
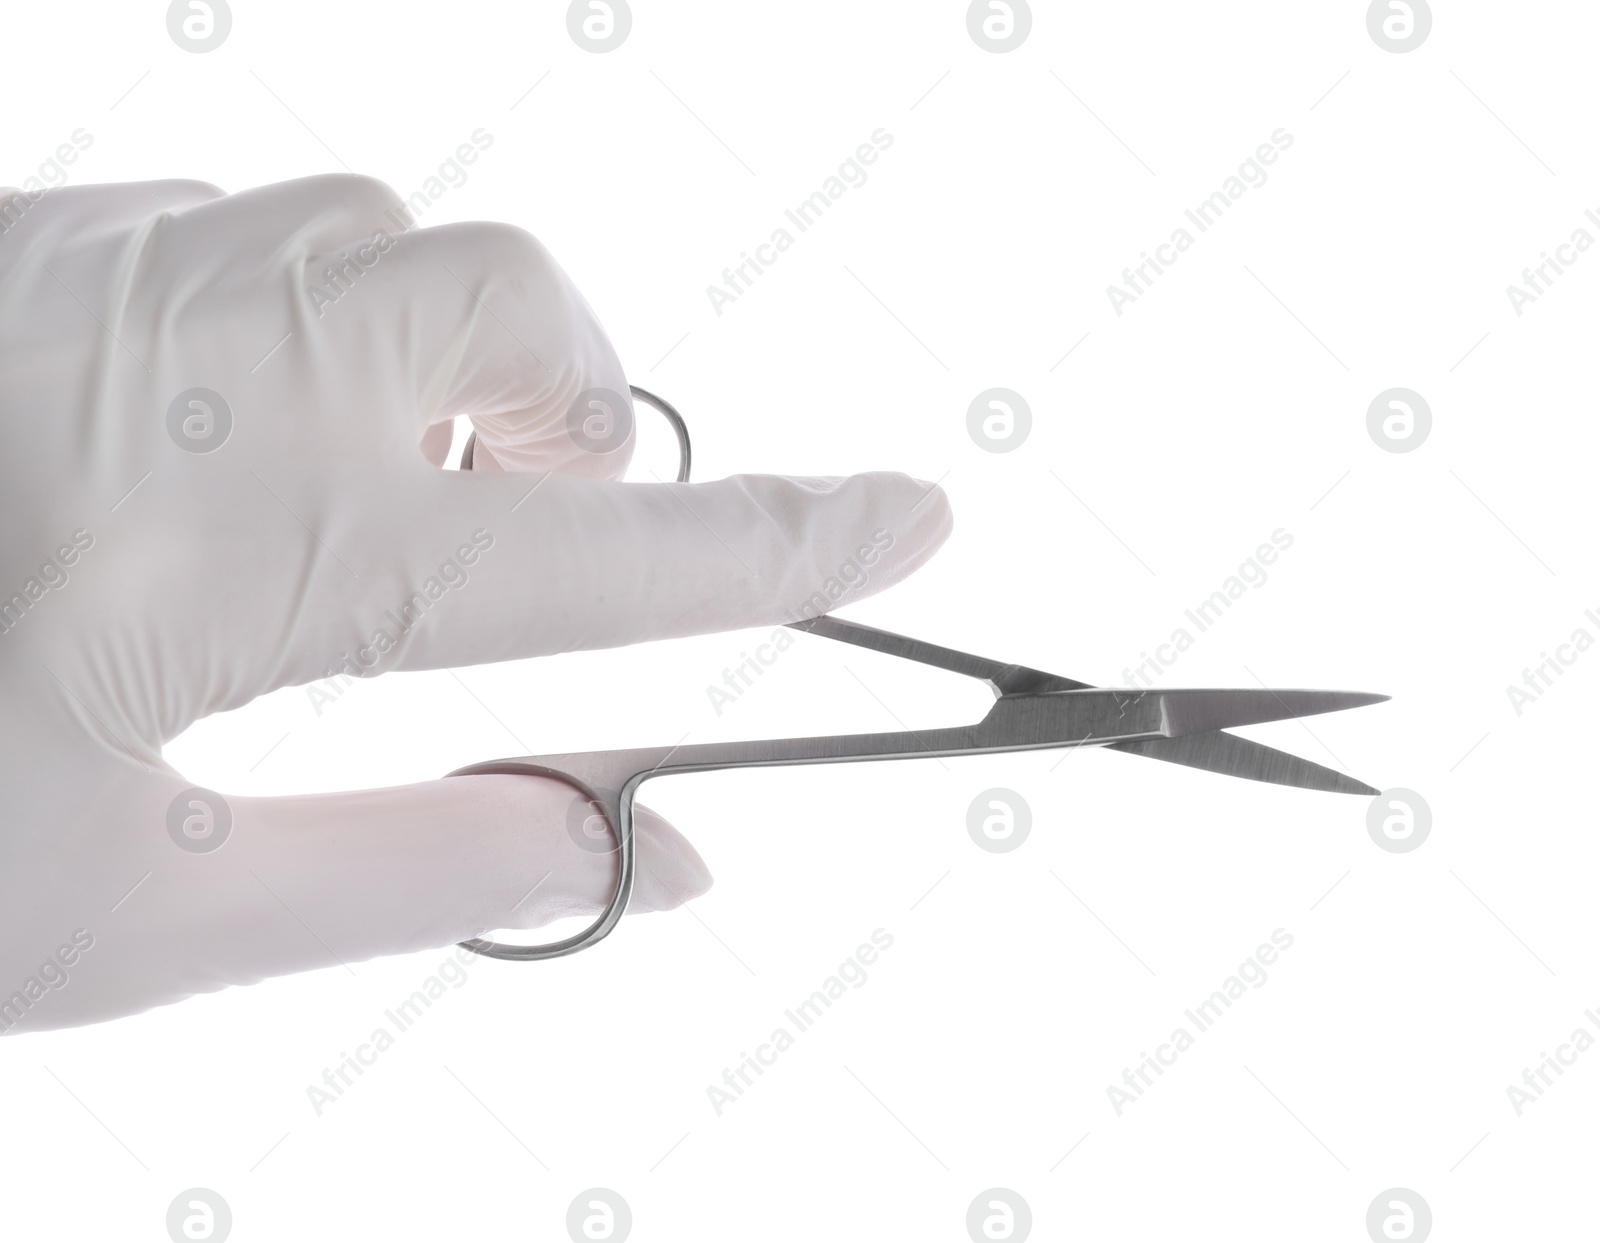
[(1219, 752), (1211, 750), (1195, 711)]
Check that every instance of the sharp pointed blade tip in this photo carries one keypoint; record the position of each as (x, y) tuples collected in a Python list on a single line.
[(1336, 782), (1341, 700), (1346, 784)]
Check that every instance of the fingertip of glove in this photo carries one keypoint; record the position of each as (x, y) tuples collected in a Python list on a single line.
[(895, 511), (917, 511), (671, 871)]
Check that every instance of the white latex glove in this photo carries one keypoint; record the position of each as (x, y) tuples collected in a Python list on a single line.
[(144, 585)]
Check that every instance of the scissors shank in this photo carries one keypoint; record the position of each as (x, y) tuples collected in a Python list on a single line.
[(1002, 678), (1014, 723)]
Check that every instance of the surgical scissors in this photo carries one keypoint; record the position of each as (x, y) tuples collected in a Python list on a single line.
[(1032, 711)]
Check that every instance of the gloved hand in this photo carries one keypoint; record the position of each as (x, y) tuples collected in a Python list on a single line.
[(222, 419)]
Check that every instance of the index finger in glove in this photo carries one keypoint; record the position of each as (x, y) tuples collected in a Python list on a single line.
[(479, 319)]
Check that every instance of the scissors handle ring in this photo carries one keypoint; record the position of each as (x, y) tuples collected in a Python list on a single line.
[(680, 429), (617, 811)]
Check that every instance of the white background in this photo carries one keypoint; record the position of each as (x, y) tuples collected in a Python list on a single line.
[(1167, 443)]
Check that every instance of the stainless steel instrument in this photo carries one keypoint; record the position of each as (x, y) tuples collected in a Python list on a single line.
[(1032, 711)]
